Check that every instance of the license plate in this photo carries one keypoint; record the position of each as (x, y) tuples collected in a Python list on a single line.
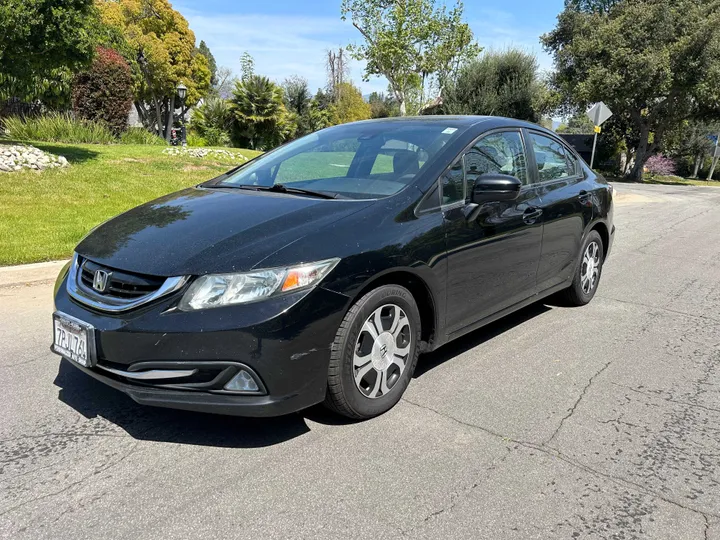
[(74, 339)]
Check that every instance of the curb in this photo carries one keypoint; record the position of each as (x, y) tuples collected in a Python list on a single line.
[(27, 274)]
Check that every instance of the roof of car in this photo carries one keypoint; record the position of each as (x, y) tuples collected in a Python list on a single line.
[(459, 120)]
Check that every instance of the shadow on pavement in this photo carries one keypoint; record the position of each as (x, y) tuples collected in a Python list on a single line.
[(91, 398), (430, 361)]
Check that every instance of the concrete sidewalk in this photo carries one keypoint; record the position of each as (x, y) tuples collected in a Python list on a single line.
[(24, 274)]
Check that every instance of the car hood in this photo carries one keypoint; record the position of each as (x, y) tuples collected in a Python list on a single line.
[(202, 231)]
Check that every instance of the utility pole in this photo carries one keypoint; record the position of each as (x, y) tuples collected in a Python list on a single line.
[(716, 157)]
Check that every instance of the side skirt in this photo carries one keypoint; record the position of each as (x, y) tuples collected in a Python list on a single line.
[(507, 311)]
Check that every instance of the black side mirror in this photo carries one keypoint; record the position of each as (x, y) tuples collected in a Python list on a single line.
[(491, 187)]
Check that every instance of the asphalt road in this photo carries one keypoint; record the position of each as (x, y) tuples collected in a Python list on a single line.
[(595, 422)]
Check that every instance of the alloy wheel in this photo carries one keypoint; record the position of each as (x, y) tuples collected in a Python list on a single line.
[(590, 270), (382, 351)]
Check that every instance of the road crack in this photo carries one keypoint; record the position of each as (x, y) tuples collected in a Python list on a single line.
[(577, 402), (555, 453)]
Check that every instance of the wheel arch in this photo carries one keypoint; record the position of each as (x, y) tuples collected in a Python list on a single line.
[(418, 287), (602, 229)]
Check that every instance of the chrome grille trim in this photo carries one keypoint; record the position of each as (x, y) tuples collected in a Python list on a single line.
[(113, 304), (152, 374)]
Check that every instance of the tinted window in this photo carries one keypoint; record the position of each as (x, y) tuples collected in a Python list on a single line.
[(553, 161), (500, 153), (360, 161)]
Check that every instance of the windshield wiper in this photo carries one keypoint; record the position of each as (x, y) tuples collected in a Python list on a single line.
[(282, 188)]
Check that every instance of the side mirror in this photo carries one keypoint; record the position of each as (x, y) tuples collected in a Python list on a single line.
[(491, 187)]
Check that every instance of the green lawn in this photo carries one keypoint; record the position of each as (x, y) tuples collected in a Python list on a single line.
[(44, 214)]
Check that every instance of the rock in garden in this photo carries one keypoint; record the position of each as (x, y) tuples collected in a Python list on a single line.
[(17, 157)]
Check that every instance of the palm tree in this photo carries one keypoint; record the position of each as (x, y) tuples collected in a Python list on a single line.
[(259, 116)]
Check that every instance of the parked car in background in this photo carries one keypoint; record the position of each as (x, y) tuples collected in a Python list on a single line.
[(319, 271)]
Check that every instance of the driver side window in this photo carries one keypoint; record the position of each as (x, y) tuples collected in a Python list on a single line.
[(498, 153)]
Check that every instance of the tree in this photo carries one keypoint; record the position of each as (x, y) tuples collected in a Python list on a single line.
[(578, 124), (260, 119), (296, 94), (224, 82), (104, 92), (408, 42), (39, 36), (247, 66), (163, 54), (350, 106), (499, 83), (212, 65), (382, 106), (655, 63), (338, 71)]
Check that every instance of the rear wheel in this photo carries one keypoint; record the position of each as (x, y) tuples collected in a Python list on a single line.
[(587, 275), (374, 353)]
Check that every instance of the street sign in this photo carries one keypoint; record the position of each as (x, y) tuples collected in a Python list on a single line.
[(599, 113)]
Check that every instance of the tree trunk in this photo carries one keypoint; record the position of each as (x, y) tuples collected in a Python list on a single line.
[(642, 154), (158, 117), (171, 118), (712, 168), (403, 107), (698, 162)]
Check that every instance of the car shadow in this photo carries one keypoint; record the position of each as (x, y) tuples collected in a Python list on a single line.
[(93, 399), (430, 361)]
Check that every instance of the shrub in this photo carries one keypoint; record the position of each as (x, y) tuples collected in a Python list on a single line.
[(212, 121), (193, 139), (660, 165), (58, 128), (138, 135), (104, 92)]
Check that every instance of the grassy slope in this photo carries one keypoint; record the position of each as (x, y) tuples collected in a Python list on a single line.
[(44, 214)]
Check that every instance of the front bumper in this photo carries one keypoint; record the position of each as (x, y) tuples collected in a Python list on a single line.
[(285, 342)]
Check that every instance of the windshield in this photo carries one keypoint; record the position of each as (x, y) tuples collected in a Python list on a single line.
[(358, 161)]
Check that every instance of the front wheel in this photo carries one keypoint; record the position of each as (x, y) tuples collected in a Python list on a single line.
[(587, 275), (374, 353)]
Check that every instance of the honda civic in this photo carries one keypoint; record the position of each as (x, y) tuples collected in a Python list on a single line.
[(321, 270)]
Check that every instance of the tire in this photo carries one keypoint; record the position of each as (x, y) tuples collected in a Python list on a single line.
[(360, 353), (579, 294)]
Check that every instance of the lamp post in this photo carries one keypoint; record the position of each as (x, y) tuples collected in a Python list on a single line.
[(182, 93)]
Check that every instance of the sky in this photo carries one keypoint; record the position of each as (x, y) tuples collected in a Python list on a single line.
[(290, 37)]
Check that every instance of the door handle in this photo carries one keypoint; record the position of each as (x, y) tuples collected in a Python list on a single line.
[(583, 197), (531, 215)]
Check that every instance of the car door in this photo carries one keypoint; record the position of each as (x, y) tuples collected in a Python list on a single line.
[(566, 204), (493, 249)]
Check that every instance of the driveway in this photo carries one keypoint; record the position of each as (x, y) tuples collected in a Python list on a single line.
[(595, 422)]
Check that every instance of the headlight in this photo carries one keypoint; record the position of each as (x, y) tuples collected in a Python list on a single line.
[(229, 289)]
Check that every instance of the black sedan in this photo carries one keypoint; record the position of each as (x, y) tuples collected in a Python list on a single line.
[(319, 271)]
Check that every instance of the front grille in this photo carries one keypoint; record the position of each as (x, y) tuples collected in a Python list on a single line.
[(120, 284)]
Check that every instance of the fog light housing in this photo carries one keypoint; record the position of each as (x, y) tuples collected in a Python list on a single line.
[(243, 381)]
